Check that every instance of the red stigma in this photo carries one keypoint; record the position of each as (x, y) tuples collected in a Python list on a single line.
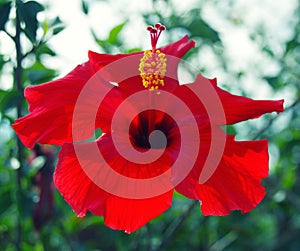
[(155, 33)]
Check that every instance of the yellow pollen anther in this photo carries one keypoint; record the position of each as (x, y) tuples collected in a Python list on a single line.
[(153, 67)]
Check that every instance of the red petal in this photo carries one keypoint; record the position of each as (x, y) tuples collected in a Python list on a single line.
[(239, 108), (125, 67), (179, 48), (107, 108), (205, 100), (188, 95), (83, 194), (51, 106), (236, 183), (100, 60), (176, 49), (128, 168), (129, 215), (174, 52), (75, 186)]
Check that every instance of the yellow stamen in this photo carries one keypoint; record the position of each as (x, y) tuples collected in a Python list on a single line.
[(153, 67)]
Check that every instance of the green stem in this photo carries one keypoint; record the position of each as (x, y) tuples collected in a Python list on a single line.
[(20, 152)]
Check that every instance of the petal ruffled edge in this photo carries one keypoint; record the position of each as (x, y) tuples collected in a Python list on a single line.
[(51, 106), (205, 99), (236, 182)]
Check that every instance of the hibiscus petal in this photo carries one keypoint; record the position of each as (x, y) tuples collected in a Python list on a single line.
[(83, 194), (236, 183), (188, 95), (125, 67), (176, 49), (239, 108), (179, 48), (129, 215), (205, 100), (127, 167), (51, 106), (75, 186)]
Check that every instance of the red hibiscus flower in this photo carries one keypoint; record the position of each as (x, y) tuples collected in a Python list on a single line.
[(157, 136)]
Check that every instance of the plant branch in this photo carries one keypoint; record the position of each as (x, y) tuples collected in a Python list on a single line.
[(34, 48), (20, 152), (224, 242), (173, 228), (271, 121), (9, 35)]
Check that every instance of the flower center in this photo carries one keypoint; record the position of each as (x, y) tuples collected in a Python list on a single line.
[(153, 65), (160, 137)]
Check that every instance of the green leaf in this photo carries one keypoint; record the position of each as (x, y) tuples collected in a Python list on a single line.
[(102, 43), (55, 22), (292, 44), (9, 99), (57, 30), (85, 6), (132, 50), (6, 200), (44, 49), (272, 81), (114, 33), (28, 12), (289, 178), (57, 26), (4, 14), (199, 28), (230, 129), (268, 51), (38, 73), (98, 133)]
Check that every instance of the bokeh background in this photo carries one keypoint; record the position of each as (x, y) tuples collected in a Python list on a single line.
[(252, 47)]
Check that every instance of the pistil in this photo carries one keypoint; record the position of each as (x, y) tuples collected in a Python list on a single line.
[(153, 65)]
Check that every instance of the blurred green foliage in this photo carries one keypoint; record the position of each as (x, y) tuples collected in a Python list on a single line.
[(274, 225)]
